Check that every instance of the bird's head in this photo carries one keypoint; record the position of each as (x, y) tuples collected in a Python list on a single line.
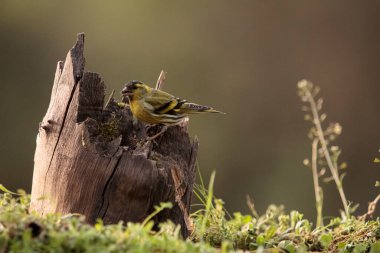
[(134, 89)]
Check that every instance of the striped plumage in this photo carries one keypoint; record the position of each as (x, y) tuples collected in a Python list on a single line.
[(158, 107)]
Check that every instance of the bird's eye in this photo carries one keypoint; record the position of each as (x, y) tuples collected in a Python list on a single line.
[(135, 84)]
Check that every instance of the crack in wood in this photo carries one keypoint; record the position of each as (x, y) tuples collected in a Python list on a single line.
[(105, 188), (60, 132)]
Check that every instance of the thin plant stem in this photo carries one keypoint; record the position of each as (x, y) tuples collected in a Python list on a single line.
[(251, 207), (371, 208), (317, 188), (157, 210), (208, 203), (333, 169)]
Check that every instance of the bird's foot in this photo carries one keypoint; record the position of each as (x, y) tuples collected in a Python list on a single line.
[(148, 127), (163, 130)]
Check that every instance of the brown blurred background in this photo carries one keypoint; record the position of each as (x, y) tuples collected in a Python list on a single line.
[(242, 57)]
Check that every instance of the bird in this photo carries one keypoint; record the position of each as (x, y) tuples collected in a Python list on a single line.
[(157, 107)]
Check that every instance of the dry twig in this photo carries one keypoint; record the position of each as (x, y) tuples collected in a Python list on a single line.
[(161, 79)]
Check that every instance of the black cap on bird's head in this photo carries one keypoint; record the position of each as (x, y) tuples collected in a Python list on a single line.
[(130, 87)]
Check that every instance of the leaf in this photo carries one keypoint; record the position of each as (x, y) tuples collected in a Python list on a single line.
[(288, 246), (325, 240), (343, 166), (377, 184), (270, 232), (341, 177), (328, 179), (377, 160), (302, 248), (260, 240), (353, 208), (375, 247), (359, 248), (163, 205), (2, 188), (158, 209), (226, 245), (210, 195), (341, 245)]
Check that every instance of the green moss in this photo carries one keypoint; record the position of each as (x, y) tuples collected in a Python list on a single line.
[(110, 130), (21, 231)]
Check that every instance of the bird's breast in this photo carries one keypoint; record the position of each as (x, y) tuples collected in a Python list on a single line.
[(142, 113)]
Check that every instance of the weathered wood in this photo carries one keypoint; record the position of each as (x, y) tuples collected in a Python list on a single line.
[(94, 160)]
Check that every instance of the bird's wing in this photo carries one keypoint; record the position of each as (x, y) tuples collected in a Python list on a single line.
[(161, 101)]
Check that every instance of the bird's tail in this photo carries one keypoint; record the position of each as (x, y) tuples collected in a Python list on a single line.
[(192, 108)]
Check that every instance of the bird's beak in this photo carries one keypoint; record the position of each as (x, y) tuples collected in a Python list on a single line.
[(126, 92)]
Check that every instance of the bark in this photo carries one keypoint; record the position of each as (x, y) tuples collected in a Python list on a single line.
[(94, 160)]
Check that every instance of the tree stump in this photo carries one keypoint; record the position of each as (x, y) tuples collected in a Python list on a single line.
[(94, 160)]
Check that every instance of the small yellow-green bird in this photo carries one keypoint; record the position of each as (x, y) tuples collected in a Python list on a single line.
[(154, 106)]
